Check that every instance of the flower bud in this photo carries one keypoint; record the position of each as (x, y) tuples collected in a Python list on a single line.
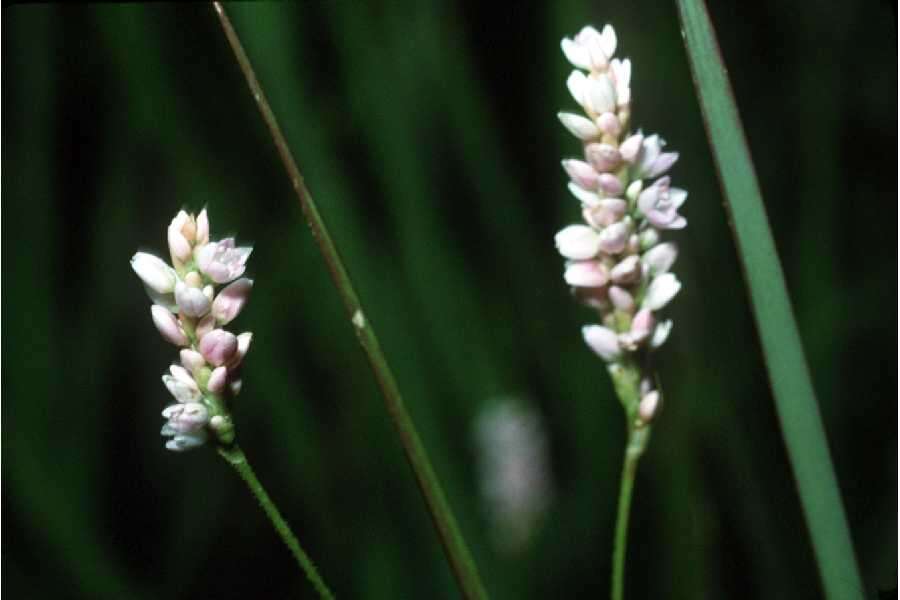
[(587, 198), (156, 275), (186, 441), (243, 346), (231, 300), (614, 237), (581, 173), (606, 212), (659, 259), (589, 273), (602, 340), (202, 236), (649, 238), (630, 147), (217, 380), (603, 157), (642, 325), (182, 389), (206, 324), (599, 95), (649, 406), (218, 346), (186, 418), (222, 261), (634, 190), (610, 184), (191, 301), (626, 271), (609, 124), (661, 334), (167, 325), (235, 386), (577, 84), (193, 279), (578, 242), (621, 298), (579, 126), (660, 291), (179, 243), (192, 360)]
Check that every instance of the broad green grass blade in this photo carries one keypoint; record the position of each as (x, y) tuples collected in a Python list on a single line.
[(795, 399)]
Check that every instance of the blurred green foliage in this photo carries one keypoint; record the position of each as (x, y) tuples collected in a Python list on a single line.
[(426, 132)]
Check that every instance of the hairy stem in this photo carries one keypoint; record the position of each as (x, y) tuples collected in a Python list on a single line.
[(236, 458), (455, 547)]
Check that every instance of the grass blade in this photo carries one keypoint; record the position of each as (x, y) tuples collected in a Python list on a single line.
[(795, 400)]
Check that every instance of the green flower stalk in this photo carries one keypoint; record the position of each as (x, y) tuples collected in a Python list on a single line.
[(616, 262)]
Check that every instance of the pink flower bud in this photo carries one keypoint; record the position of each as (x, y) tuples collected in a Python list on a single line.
[(610, 184), (581, 173), (609, 124), (614, 237), (192, 360), (588, 273), (206, 324), (627, 270), (578, 126), (218, 346), (191, 301), (231, 300), (630, 148), (642, 325), (621, 298), (167, 325), (606, 212), (179, 246), (603, 157), (602, 340), (217, 380), (156, 275), (587, 198), (221, 261), (578, 242)]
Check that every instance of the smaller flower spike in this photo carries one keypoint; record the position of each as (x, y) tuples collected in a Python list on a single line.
[(189, 313)]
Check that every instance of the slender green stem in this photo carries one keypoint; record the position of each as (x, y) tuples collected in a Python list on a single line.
[(455, 548), (637, 440), (236, 458)]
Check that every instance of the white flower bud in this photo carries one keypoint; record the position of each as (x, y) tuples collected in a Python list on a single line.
[(587, 198), (602, 340), (578, 242), (217, 380), (156, 275), (659, 259), (191, 301), (579, 126), (581, 173), (628, 270), (614, 237), (661, 334), (621, 298), (586, 274), (660, 291), (168, 325), (600, 95), (610, 184), (231, 300), (649, 406), (609, 123), (606, 212), (192, 360)]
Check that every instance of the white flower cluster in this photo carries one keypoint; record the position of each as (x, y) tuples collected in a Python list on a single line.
[(514, 467), (615, 260), (189, 313)]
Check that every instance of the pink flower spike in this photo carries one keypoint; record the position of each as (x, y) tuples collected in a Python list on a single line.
[(218, 346), (602, 340), (231, 300), (167, 325), (217, 380)]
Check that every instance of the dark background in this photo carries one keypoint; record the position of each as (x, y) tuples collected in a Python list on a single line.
[(427, 134)]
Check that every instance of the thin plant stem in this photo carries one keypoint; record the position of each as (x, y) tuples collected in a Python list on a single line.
[(455, 548), (637, 440), (237, 459)]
